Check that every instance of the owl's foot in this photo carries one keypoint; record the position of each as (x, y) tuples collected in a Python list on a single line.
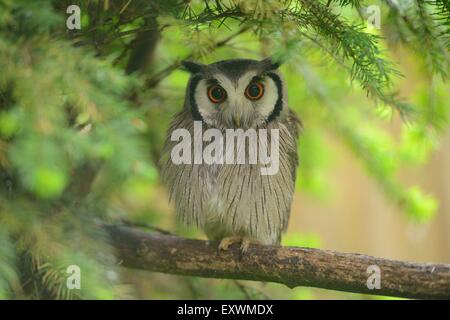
[(226, 242)]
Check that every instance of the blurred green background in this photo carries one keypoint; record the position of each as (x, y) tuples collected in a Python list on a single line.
[(84, 113)]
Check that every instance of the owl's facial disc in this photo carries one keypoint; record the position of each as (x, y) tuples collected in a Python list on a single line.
[(243, 102)]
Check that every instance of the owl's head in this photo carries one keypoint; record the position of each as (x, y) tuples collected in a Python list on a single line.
[(238, 93)]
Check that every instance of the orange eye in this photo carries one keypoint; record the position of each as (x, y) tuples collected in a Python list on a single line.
[(254, 91), (216, 94)]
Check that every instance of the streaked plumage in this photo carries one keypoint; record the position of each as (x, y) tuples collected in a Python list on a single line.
[(235, 199)]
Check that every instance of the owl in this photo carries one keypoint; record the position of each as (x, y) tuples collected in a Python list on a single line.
[(234, 202)]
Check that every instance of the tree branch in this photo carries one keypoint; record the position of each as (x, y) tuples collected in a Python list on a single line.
[(291, 266), (158, 77)]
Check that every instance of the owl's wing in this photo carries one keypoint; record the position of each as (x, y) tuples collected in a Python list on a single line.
[(294, 124)]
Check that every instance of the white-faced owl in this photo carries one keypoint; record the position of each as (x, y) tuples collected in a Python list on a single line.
[(235, 202)]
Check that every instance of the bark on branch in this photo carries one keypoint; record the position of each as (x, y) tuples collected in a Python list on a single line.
[(291, 266)]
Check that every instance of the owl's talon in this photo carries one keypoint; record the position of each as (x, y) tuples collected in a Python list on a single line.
[(245, 243), (226, 242)]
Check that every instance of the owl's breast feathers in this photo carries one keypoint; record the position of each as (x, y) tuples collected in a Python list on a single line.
[(235, 199)]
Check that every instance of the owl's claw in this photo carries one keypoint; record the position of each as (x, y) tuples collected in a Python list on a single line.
[(226, 242), (245, 243)]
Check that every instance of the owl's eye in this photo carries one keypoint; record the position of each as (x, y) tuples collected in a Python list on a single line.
[(254, 91), (217, 94)]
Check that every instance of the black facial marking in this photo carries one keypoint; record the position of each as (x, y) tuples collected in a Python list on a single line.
[(279, 104), (194, 108)]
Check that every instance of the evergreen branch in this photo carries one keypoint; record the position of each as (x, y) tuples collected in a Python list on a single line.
[(426, 35), (351, 43), (8, 277), (154, 80), (343, 41), (353, 3), (405, 109), (443, 8), (291, 266)]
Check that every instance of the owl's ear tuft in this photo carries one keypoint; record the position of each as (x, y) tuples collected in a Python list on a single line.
[(192, 67), (270, 64)]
